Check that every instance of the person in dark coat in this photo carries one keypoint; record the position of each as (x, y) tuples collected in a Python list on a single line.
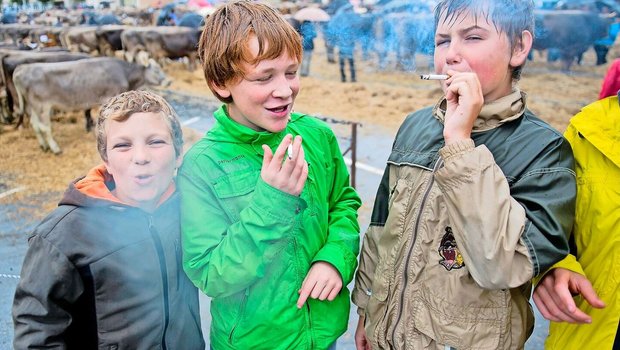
[(308, 33), (103, 270)]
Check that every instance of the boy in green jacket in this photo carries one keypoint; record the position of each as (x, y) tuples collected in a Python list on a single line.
[(269, 226)]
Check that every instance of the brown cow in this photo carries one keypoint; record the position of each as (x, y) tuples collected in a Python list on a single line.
[(10, 61), (162, 43)]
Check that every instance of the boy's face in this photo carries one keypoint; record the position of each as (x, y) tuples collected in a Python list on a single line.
[(470, 44), (141, 158), (263, 99)]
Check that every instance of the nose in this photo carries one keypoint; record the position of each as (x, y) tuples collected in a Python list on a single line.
[(141, 155), (283, 87), (453, 55)]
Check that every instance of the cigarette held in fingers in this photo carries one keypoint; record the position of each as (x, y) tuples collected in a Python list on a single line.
[(434, 76), (289, 151)]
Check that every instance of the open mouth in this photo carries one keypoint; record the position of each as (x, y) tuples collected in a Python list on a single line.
[(143, 179), (278, 109)]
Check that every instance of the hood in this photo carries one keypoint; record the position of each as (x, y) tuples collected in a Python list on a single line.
[(96, 189), (228, 130), (493, 114), (599, 123)]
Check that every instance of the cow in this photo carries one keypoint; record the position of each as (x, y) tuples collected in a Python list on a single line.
[(17, 32), (109, 39), (46, 36), (80, 39), (162, 43), (77, 85), (10, 61), (570, 32)]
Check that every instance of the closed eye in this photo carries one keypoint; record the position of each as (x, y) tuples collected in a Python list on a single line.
[(121, 146), (158, 142)]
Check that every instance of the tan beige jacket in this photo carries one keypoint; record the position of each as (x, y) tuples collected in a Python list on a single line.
[(457, 232)]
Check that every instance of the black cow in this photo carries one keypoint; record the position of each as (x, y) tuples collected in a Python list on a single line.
[(109, 39), (570, 32)]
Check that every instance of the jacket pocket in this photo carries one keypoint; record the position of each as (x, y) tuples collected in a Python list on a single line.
[(461, 326), (234, 191)]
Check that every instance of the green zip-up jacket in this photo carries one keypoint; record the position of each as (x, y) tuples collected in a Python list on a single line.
[(249, 246)]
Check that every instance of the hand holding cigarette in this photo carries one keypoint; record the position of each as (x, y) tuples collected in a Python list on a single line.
[(285, 169)]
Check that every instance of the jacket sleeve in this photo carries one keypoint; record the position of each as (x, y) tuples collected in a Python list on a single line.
[(369, 255), (222, 257), (343, 229), (49, 282), (507, 235)]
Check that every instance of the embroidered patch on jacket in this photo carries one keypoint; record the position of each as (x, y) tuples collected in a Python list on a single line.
[(451, 256)]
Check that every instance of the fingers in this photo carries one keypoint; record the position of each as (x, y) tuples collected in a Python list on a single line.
[(267, 156), (589, 294), (544, 302), (554, 298), (361, 342), (322, 282), (280, 153), (304, 292), (286, 174)]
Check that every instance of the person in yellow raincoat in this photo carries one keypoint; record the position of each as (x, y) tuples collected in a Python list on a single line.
[(590, 319)]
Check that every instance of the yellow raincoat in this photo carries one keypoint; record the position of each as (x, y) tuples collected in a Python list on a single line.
[(594, 134)]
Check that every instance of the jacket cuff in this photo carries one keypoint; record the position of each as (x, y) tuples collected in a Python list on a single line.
[(276, 203), (360, 298), (455, 148), (569, 263), (341, 260)]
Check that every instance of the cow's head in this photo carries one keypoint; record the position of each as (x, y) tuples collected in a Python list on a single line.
[(154, 75)]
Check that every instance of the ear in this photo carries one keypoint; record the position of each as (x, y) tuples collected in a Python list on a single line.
[(521, 49), (223, 91), (179, 161), (107, 167)]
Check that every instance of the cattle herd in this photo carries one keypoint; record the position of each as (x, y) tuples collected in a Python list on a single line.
[(77, 68), (47, 66)]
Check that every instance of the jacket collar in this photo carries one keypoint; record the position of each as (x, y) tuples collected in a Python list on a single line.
[(493, 114), (96, 188), (228, 130), (599, 123)]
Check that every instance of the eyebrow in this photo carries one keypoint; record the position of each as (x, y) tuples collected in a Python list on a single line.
[(462, 31)]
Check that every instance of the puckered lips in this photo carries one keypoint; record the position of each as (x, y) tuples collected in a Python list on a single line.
[(143, 179)]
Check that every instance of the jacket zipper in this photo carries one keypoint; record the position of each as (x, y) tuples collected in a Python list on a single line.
[(164, 277), (310, 325), (415, 236), (241, 312)]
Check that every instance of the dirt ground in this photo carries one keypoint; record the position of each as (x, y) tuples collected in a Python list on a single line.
[(377, 99)]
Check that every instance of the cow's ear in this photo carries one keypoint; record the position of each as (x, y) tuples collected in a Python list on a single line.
[(521, 49), (223, 91)]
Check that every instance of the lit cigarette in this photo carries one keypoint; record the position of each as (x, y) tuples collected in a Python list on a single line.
[(434, 76), (289, 151)]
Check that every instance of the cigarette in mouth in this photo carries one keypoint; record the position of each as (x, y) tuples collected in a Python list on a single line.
[(434, 76), (289, 151)]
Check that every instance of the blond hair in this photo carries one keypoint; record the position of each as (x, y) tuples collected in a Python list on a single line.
[(223, 45), (121, 107)]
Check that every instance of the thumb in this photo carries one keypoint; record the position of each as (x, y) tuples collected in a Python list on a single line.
[(589, 294)]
